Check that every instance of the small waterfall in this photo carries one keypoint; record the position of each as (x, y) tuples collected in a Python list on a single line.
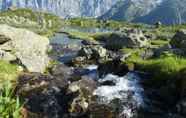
[(126, 89)]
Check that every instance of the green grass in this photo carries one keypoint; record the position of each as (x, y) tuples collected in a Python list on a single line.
[(10, 105), (162, 69), (159, 42), (87, 36), (47, 26), (80, 35), (90, 22), (8, 71)]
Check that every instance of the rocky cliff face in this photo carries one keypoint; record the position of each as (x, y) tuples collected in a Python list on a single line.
[(168, 12), (65, 8), (148, 11), (129, 10)]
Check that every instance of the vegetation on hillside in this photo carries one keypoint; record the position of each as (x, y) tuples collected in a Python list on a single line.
[(89, 22), (39, 22), (162, 34)]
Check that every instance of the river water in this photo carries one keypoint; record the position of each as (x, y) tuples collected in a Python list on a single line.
[(126, 90)]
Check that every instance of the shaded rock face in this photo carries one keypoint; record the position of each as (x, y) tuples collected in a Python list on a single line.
[(27, 47), (114, 66), (132, 38), (56, 95), (3, 39), (44, 94)]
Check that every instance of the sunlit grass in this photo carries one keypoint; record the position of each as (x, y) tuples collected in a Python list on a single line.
[(8, 71), (10, 106), (161, 69)]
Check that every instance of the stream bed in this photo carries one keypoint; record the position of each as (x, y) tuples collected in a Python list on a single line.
[(125, 93)]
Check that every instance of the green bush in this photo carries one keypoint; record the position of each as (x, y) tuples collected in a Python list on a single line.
[(10, 106)]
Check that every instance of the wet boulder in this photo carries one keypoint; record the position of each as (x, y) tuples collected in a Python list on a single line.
[(89, 54), (100, 111), (45, 95), (115, 66), (93, 52), (85, 88)]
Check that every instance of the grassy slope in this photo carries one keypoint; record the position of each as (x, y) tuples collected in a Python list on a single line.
[(51, 22), (162, 33)]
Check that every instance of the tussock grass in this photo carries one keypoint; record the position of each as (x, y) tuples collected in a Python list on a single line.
[(10, 105)]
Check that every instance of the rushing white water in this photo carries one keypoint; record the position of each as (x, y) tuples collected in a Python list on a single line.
[(126, 88)]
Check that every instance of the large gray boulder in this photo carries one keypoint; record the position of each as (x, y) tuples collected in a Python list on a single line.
[(29, 48), (133, 38)]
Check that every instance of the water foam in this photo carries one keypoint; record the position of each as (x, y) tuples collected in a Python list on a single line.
[(126, 88)]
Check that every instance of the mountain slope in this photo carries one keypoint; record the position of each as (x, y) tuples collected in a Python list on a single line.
[(64, 8), (169, 12), (129, 10), (149, 11)]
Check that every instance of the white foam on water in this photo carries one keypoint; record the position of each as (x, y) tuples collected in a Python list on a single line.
[(123, 86), (92, 67)]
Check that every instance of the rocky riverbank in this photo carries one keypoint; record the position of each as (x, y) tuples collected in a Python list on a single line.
[(124, 73)]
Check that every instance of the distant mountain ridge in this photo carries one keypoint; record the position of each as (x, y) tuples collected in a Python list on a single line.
[(129, 10), (64, 8), (145, 11), (148, 11)]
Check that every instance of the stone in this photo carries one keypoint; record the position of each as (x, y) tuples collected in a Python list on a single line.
[(158, 24), (3, 39), (29, 48), (85, 88), (87, 42), (115, 67), (45, 95), (100, 111), (7, 56), (62, 71), (132, 38), (147, 54), (93, 52), (179, 40), (85, 84)]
